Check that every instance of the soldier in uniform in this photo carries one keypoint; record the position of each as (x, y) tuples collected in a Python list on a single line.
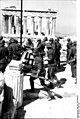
[(69, 44), (73, 56), (29, 44), (4, 55), (15, 50), (38, 42), (41, 46), (51, 65), (58, 48), (52, 43), (37, 70)]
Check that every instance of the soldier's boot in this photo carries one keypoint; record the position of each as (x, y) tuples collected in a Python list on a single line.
[(32, 85), (73, 72)]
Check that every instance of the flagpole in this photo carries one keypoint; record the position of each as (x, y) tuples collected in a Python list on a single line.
[(21, 22)]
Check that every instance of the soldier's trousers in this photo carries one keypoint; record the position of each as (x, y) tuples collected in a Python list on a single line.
[(58, 60), (51, 75), (73, 70)]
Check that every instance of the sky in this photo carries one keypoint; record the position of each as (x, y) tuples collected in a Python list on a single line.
[(66, 21)]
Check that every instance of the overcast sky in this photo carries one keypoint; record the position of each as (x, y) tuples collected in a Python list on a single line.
[(66, 16)]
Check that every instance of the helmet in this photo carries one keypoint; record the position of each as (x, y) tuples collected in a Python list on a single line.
[(68, 39), (75, 43), (51, 39), (38, 39), (45, 39), (12, 40)]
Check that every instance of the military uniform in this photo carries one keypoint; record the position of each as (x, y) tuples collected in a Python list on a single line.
[(73, 55), (69, 44), (51, 64), (41, 47), (15, 50), (29, 44), (37, 70), (58, 48), (4, 55), (28, 60)]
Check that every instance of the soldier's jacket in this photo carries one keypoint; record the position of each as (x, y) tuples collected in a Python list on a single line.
[(51, 45), (3, 57), (38, 64), (73, 55), (51, 56), (15, 51), (58, 47), (29, 45), (69, 45), (41, 48)]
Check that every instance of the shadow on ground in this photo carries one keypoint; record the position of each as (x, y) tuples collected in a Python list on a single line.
[(27, 99)]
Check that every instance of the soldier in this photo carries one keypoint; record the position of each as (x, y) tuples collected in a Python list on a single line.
[(27, 61), (38, 42), (29, 44), (4, 55), (15, 50), (73, 56), (58, 48), (51, 65), (37, 70), (69, 44), (52, 43), (41, 47)]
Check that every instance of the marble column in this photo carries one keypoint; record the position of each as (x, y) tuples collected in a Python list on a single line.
[(32, 25), (9, 24), (17, 24), (53, 26), (47, 25), (24, 25), (12, 24), (40, 26), (3, 24)]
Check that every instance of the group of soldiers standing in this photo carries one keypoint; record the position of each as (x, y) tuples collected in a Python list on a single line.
[(35, 57)]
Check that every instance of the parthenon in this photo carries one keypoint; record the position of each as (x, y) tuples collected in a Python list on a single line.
[(35, 23)]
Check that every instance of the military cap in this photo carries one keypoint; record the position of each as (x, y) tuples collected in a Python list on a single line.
[(45, 39), (12, 40), (38, 39), (74, 43), (51, 39), (68, 39), (58, 39)]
